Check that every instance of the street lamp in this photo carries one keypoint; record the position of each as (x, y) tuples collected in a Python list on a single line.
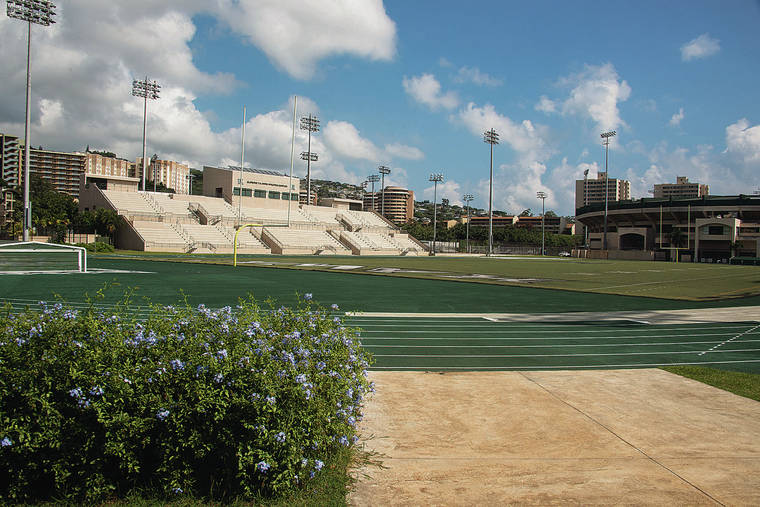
[(435, 178), (468, 199), (606, 136), (146, 90), (542, 196), (383, 171), (373, 178), (39, 12), (311, 124), (491, 137)]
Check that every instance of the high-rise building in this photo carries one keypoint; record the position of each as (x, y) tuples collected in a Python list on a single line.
[(588, 191), (10, 173), (681, 189), (109, 173), (61, 169), (174, 175), (397, 203)]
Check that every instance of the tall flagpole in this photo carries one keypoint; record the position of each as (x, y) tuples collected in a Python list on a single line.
[(292, 149)]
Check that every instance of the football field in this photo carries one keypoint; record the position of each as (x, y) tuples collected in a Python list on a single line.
[(435, 323)]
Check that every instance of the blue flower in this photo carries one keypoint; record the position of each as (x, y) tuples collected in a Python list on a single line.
[(280, 437), (76, 393), (271, 400), (162, 414), (6, 442), (177, 491), (343, 440), (262, 466), (301, 378), (96, 391), (334, 306), (307, 296), (176, 364), (318, 465)]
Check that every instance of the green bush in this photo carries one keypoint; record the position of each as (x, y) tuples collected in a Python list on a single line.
[(97, 247), (232, 403)]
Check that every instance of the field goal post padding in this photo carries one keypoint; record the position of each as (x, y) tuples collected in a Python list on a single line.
[(37, 247)]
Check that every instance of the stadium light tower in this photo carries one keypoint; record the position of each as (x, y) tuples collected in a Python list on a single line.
[(468, 199), (147, 90), (490, 137), (373, 178), (606, 136), (435, 178), (363, 184), (542, 196), (383, 170), (311, 124), (38, 12)]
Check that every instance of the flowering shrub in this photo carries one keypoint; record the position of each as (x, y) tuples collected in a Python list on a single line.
[(225, 403)]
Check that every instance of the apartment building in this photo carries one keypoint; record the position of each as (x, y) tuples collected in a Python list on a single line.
[(396, 203), (171, 174), (10, 172), (681, 189), (61, 169), (590, 191), (109, 173)]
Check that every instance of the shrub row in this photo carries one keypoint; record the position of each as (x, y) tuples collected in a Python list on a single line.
[(225, 403)]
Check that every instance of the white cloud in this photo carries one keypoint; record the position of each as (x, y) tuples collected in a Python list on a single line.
[(596, 93), (403, 151), (701, 47), (743, 142), (447, 189), (297, 34), (426, 90), (525, 138), (675, 120), (443, 62), (474, 75), (546, 105), (344, 138)]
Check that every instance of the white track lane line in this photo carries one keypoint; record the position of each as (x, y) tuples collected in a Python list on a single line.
[(528, 356), (565, 367), (371, 346), (749, 331)]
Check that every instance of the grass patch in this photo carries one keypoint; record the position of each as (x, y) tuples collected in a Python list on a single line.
[(743, 384), (685, 281)]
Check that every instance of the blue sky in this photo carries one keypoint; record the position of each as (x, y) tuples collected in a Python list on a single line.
[(410, 85)]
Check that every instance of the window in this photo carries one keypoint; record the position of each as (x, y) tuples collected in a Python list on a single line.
[(247, 192), (236, 191), (260, 193), (274, 195)]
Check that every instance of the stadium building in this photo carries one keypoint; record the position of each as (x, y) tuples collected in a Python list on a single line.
[(705, 229), (259, 189), (108, 173)]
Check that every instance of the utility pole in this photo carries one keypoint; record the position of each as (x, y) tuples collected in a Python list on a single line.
[(467, 198), (490, 137), (383, 170), (606, 136), (435, 178), (542, 196), (373, 178)]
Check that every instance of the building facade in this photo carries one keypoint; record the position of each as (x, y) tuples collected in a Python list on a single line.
[(171, 174), (259, 189), (588, 191), (395, 202), (62, 170), (682, 189), (705, 229), (10, 172), (109, 173)]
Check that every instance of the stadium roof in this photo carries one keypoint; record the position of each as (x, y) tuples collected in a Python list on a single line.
[(254, 170)]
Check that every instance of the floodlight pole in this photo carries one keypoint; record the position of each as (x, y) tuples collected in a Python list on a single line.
[(311, 124), (491, 137), (373, 178), (468, 199), (585, 202), (39, 12), (146, 90), (435, 178), (542, 196), (606, 136), (383, 171)]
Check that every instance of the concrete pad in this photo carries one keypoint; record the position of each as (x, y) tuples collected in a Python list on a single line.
[(589, 437)]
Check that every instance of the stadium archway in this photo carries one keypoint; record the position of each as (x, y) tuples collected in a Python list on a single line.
[(632, 241)]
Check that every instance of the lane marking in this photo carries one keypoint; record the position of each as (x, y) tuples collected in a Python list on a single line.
[(583, 366), (371, 346), (749, 331), (465, 356)]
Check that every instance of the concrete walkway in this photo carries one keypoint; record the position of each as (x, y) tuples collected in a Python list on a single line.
[(583, 437)]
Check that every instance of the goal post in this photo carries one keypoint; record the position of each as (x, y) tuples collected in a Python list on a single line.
[(35, 256)]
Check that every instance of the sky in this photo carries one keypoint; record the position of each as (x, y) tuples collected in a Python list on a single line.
[(409, 85)]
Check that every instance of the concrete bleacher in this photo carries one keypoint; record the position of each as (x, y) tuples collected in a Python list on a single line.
[(191, 223), (131, 203), (160, 236), (283, 240)]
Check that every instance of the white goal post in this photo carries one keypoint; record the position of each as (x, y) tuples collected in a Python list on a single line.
[(38, 256)]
